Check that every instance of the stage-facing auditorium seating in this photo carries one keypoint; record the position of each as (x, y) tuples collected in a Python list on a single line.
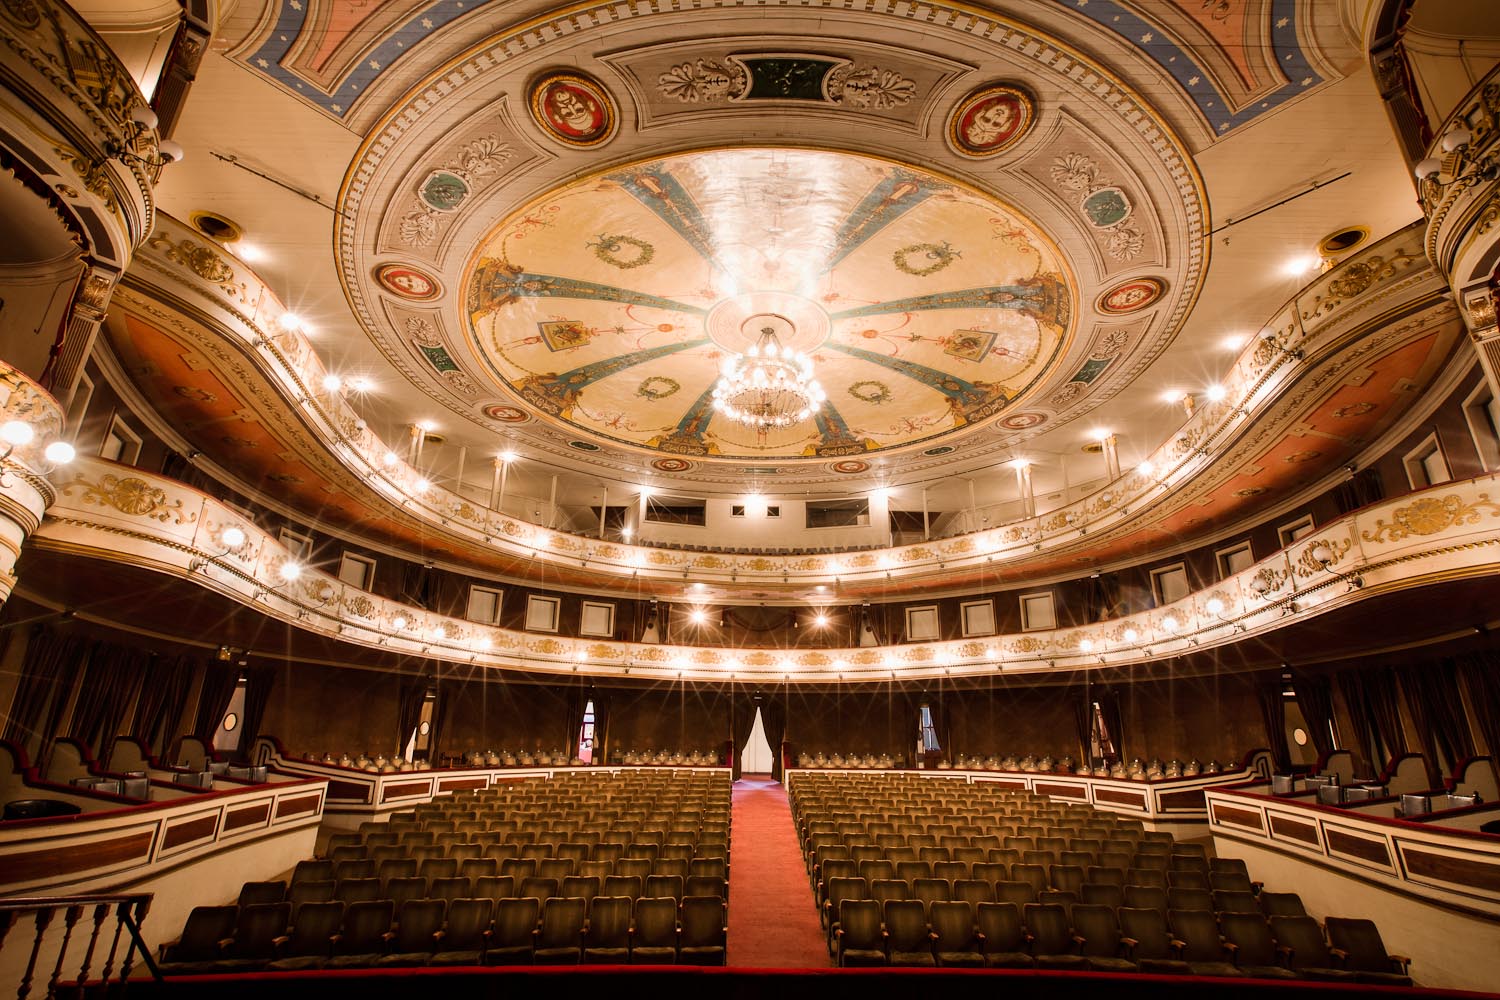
[(908, 870), (628, 867)]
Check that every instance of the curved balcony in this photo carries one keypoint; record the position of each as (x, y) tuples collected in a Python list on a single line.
[(1337, 320), (90, 158), (30, 422), (115, 513)]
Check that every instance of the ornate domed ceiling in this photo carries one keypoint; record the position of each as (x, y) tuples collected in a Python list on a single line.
[(611, 305)]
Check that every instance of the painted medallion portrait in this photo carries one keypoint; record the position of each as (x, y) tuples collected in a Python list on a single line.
[(407, 282), (990, 120), (573, 109), (1127, 297)]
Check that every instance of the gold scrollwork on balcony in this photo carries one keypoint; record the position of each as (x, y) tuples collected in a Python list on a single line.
[(547, 647), (1028, 644), (1310, 565), (1267, 580), (1428, 516), (95, 178), (359, 606), (972, 650), (599, 651), (132, 496)]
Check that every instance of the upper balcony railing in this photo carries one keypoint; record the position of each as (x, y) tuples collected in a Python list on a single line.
[(122, 514), (232, 302)]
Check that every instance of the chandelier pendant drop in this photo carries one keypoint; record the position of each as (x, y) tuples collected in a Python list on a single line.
[(769, 386)]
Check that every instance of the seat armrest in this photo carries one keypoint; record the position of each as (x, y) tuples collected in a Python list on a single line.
[(1341, 955), (1177, 947), (1286, 954), (1401, 961), (1128, 945), (438, 936), (1233, 950), (279, 942), (226, 943), (388, 937)]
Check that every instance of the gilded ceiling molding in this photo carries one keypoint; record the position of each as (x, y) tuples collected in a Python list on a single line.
[(1443, 533)]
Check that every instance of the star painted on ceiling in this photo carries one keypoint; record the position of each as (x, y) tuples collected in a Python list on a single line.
[(1146, 38), (1307, 81), (426, 22), (262, 64), (1283, 22), (295, 4), (374, 64), (1193, 81)]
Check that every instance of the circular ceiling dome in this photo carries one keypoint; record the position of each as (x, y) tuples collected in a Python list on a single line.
[(610, 306)]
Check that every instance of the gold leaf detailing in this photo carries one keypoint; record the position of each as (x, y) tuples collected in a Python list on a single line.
[(1307, 565), (1270, 578), (360, 606), (95, 178), (1428, 516), (132, 496)]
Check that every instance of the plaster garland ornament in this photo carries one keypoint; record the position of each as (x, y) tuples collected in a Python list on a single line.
[(1104, 204), (445, 189), (1430, 515)]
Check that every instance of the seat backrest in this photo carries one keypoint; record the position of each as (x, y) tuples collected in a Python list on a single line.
[(1103, 893), (929, 890), (656, 922), (1360, 938), (1146, 897), (562, 922), (315, 926), (1235, 902), (859, 919), (609, 922), (1049, 929), (906, 924), (418, 922), (206, 926), (1199, 933), (1001, 925), (365, 924), (1230, 882), (467, 922), (1036, 875), (515, 920), (974, 891), (1304, 939), (1281, 904), (1190, 899), (399, 890), (1148, 928), (312, 871), (1019, 893), (358, 890), (622, 885), (703, 922), (539, 888), (1251, 935), (494, 886), (1096, 925), (952, 922)]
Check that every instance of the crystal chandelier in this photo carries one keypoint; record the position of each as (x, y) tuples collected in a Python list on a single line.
[(768, 386)]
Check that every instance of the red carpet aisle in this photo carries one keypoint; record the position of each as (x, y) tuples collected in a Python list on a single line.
[(772, 918)]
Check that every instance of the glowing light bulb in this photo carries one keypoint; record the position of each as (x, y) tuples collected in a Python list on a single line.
[(1214, 606), (59, 453), (332, 383), (232, 538), (290, 571), (16, 433)]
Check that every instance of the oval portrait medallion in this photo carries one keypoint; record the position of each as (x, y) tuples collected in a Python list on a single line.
[(506, 414), (573, 109), (989, 120), (1128, 296), (407, 282)]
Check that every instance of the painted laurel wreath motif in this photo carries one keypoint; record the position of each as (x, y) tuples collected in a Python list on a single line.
[(938, 255), (608, 249), (133, 496), (871, 392), (1428, 516)]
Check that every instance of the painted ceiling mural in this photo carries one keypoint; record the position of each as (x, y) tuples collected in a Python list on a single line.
[(612, 304), (1234, 59)]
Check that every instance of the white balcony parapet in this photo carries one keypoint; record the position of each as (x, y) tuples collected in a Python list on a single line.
[(125, 515)]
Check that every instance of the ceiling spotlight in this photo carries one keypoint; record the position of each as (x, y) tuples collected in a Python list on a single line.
[(1100, 433), (1233, 342), (249, 252), (698, 615), (59, 453), (1300, 265), (1172, 396), (507, 457), (820, 620)]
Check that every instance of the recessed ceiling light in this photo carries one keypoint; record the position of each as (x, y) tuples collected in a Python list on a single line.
[(507, 456), (1099, 433), (1233, 342), (1173, 396), (249, 253)]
